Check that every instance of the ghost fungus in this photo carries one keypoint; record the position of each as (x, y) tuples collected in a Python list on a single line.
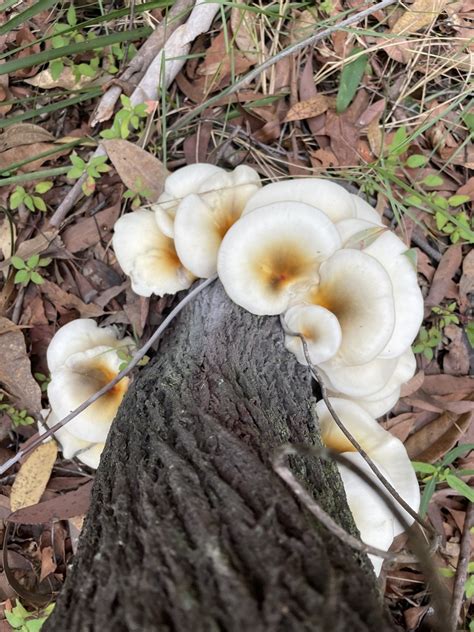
[(319, 327), (148, 256), (273, 254)]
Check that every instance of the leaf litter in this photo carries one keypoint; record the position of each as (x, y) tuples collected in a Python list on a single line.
[(383, 108)]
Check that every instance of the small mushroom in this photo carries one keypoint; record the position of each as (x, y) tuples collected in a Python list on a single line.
[(329, 197), (177, 186), (273, 254), (319, 327), (356, 288), (80, 366), (148, 256), (386, 451), (390, 252), (203, 218), (71, 446)]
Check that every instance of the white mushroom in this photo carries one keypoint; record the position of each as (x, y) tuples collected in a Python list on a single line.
[(385, 450), (203, 218), (390, 251), (80, 365), (71, 446), (177, 186), (147, 256), (355, 287), (319, 327), (388, 453), (272, 254), (365, 211), (358, 233), (329, 197)]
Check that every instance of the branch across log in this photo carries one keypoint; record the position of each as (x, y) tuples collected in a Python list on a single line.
[(189, 527)]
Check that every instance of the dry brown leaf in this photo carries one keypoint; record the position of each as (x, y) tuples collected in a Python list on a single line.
[(220, 62), (413, 385), (375, 137), (33, 476), (138, 169), (24, 152), (89, 231), (65, 80), (307, 109), (23, 134), (7, 237), (438, 437), (456, 361), (61, 298), (466, 283), (48, 565), (243, 24), (420, 14), (446, 384), (442, 280), (46, 241), (15, 368), (62, 507)]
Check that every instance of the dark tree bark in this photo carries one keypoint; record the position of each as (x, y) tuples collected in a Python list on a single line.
[(189, 528)]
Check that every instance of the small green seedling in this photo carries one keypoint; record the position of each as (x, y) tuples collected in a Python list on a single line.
[(444, 472), (137, 193), (93, 169), (43, 380), (17, 417), (30, 200), (126, 357), (128, 116), (28, 270), (430, 337), (23, 621)]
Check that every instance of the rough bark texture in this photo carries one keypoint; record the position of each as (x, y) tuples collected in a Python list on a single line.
[(189, 528)]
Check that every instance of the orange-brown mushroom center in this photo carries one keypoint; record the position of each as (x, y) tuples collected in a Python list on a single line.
[(282, 264)]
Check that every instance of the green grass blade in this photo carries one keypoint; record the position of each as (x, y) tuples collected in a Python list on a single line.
[(61, 147), (24, 16), (72, 49), (351, 75), (47, 109), (34, 175)]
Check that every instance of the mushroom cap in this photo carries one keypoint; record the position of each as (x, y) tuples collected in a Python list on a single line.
[(203, 218), (389, 251), (404, 370), (177, 186), (71, 446), (383, 449), (147, 256), (365, 211), (358, 381), (358, 233), (273, 253), (378, 407), (80, 335), (320, 329), (82, 375), (355, 287), (371, 515), (329, 197)]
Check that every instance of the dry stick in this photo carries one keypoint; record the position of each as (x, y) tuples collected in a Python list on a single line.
[(290, 50), (416, 541), (138, 65), (461, 570), (133, 363), (388, 486)]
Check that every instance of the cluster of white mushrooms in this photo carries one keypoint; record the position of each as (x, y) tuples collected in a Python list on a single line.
[(304, 249)]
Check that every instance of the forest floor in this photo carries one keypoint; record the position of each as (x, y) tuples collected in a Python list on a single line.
[(384, 105)]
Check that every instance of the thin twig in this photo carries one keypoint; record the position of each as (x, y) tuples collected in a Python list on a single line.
[(290, 50), (38, 440), (417, 543), (461, 570)]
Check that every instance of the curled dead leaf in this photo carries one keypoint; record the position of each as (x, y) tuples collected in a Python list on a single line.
[(313, 106), (33, 476), (66, 79), (139, 170), (420, 14)]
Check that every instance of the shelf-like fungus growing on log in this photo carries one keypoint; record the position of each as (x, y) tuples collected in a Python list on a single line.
[(83, 358), (376, 522), (148, 256)]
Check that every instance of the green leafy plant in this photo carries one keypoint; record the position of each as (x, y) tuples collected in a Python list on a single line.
[(28, 270), (30, 200), (128, 116), (470, 332), (20, 619), (430, 337), (137, 193), (17, 417), (43, 381), (444, 472), (93, 169), (351, 75)]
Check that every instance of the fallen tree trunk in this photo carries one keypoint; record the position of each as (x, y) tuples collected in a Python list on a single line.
[(189, 527)]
